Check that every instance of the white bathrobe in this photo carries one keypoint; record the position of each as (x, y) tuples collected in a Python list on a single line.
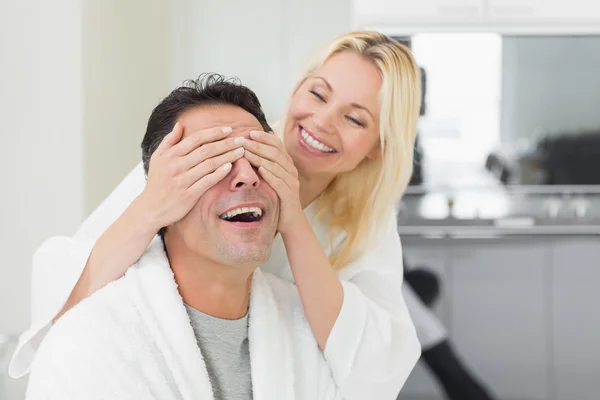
[(133, 340), (370, 351)]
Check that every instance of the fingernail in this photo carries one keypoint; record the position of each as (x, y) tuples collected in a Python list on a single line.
[(227, 129), (227, 167), (239, 152), (255, 134), (239, 140)]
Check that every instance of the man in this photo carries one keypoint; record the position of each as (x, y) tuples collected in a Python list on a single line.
[(194, 318)]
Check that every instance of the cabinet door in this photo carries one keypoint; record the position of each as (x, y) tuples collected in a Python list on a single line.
[(546, 10), (398, 10), (430, 254), (499, 313), (576, 318)]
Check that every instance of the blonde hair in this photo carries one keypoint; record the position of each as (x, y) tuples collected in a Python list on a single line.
[(360, 202)]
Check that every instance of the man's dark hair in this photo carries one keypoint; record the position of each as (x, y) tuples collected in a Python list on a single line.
[(208, 89)]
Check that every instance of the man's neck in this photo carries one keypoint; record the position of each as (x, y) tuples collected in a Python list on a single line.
[(217, 290)]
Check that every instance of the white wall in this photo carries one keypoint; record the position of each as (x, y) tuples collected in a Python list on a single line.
[(126, 64), (41, 165), (41, 174), (549, 83), (78, 81), (264, 43)]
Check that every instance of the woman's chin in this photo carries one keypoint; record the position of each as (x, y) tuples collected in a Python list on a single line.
[(309, 169)]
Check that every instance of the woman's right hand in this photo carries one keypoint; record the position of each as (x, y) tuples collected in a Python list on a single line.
[(183, 169)]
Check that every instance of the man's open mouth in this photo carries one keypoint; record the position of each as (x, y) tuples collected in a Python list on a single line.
[(243, 214)]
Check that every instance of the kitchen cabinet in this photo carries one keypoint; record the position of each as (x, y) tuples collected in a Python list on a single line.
[(545, 10), (409, 10), (576, 318), (494, 305), (433, 255), (498, 312), (402, 17), (523, 312)]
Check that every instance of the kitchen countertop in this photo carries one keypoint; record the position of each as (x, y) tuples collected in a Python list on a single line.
[(500, 210)]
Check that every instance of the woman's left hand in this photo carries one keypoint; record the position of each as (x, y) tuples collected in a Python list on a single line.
[(266, 152)]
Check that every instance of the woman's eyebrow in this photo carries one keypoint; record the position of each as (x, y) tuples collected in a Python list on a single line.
[(325, 81), (355, 105)]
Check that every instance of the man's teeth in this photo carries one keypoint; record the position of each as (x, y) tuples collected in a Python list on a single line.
[(242, 210), (315, 144)]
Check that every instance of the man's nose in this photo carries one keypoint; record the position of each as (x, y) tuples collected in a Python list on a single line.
[(244, 176)]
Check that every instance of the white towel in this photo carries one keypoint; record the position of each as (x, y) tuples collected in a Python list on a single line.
[(133, 340)]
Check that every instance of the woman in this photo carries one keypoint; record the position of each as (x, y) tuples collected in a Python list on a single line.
[(349, 133)]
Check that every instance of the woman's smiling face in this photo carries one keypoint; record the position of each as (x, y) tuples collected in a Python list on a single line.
[(333, 119)]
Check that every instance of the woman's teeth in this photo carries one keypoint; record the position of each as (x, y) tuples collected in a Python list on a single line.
[(315, 144)]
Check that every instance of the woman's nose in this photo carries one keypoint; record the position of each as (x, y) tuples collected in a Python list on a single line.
[(325, 120)]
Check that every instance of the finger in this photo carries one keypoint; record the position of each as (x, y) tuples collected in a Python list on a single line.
[(209, 166), (270, 153), (171, 139), (210, 150), (274, 168), (266, 138), (208, 181), (198, 138), (275, 182), (270, 139)]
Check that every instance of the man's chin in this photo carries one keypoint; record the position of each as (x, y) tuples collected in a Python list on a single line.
[(248, 255), (248, 246)]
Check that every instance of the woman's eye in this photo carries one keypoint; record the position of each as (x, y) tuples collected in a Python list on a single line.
[(356, 121), (317, 95)]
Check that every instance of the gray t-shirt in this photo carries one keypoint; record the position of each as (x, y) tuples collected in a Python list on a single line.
[(224, 346)]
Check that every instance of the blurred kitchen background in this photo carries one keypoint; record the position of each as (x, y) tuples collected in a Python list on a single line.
[(504, 206)]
